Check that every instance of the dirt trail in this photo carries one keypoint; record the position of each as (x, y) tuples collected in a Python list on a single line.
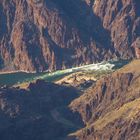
[(59, 118)]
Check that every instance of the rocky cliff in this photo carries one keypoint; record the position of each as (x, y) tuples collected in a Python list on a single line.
[(110, 108), (122, 19), (54, 34)]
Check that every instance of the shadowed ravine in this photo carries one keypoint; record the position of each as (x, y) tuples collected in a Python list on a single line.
[(40, 112)]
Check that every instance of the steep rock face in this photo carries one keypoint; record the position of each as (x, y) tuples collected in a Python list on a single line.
[(121, 18), (43, 35), (101, 96), (110, 107), (136, 46), (54, 34)]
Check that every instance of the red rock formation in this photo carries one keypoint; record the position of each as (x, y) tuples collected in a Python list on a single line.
[(54, 34), (136, 46), (137, 52), (110, 107), (122, 19)]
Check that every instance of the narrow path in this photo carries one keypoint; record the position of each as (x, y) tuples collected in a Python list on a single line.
[(59, 118)]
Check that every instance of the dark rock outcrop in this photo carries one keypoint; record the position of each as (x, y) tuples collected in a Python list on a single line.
[(35, 113)]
